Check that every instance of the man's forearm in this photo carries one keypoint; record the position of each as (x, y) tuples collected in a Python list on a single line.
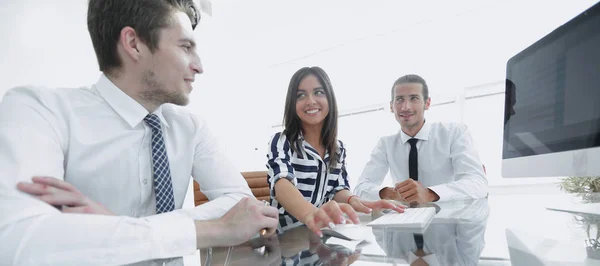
[(368, 190), (208, 233), (94, 239), (215, 208), (220, 204)]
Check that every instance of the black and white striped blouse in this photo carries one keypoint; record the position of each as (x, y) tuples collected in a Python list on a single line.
[(307, 171)]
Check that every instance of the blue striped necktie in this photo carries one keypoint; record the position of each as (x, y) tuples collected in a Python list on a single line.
[(163, 188)]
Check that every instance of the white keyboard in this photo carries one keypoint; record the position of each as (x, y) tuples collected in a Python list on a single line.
[(410, 218)]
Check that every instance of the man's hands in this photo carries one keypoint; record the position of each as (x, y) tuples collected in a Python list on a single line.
[(63, 195), (328, 215), (389, 193), (410, 191), (367, 206), (243, 221), (414, 191)]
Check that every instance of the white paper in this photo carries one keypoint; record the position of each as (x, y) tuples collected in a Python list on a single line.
[(350, 231), (372, 249), (351, 245)]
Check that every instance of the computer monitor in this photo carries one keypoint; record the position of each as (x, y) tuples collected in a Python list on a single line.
[(552, 103)]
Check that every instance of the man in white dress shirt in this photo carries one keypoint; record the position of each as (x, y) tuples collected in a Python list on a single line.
[(455, 236), (444, 164), (123, 146)]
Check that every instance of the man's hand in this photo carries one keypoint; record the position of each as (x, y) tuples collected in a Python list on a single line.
[(390, 193), (243, 221), (365, 206), (259, 251), (328, 215), (59, 193), (414, 191)]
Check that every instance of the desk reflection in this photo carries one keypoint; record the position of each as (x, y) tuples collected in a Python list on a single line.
[(454, 237)]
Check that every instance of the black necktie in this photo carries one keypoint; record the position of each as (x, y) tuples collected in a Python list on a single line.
[(413, 172), (418, 241), (413, 165)]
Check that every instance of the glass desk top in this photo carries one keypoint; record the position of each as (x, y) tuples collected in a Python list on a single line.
[(501, 230)]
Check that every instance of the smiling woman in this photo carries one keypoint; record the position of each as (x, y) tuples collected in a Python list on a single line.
[(307, 164)]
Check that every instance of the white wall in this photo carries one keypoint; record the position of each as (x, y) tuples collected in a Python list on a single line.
[(251, 48)]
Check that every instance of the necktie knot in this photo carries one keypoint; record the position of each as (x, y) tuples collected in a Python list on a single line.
[(413, 142), (153, 121)]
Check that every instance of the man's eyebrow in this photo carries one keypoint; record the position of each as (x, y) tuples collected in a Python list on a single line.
[(188, 40)]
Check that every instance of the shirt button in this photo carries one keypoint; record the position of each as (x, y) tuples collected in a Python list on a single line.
[(145, 181)]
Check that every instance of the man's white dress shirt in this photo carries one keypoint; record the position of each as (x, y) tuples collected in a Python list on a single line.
[(454, 237), (95, 138), (447, 159)]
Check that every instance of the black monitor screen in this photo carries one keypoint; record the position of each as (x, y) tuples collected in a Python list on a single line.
[(553, 91)]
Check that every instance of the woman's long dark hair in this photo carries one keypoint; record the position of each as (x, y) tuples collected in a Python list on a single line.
[(292, 122)]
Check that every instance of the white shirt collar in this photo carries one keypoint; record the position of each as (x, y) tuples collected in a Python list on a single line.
[(129, 109), (423, 134)]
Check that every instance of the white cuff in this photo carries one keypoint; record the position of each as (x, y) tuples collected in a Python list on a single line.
[(174, 234), (443, 192)]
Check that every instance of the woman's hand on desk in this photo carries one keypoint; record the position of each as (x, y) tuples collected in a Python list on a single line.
[(365, 206), (59, 193), (328, 215)]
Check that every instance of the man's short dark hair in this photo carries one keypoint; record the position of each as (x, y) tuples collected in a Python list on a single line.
[(412, 78), (106, 19)]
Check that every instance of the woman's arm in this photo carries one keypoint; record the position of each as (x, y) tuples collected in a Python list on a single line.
[(292, 200)]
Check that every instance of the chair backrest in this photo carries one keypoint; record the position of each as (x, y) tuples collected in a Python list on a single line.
[(257, 181)]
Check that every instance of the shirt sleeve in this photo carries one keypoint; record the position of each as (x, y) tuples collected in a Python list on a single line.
[(469, 179), (35, 233), (278, 162), (371, 178), (342, 180), (218, 178)]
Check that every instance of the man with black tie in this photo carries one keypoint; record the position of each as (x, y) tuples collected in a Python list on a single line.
[(428, 161), (454, 237), (124, 148)]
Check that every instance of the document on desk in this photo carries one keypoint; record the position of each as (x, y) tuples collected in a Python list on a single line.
[(349, 244), (370, 248), (349, 232)]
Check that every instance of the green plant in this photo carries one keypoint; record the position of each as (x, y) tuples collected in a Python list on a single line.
[(587, 187)]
